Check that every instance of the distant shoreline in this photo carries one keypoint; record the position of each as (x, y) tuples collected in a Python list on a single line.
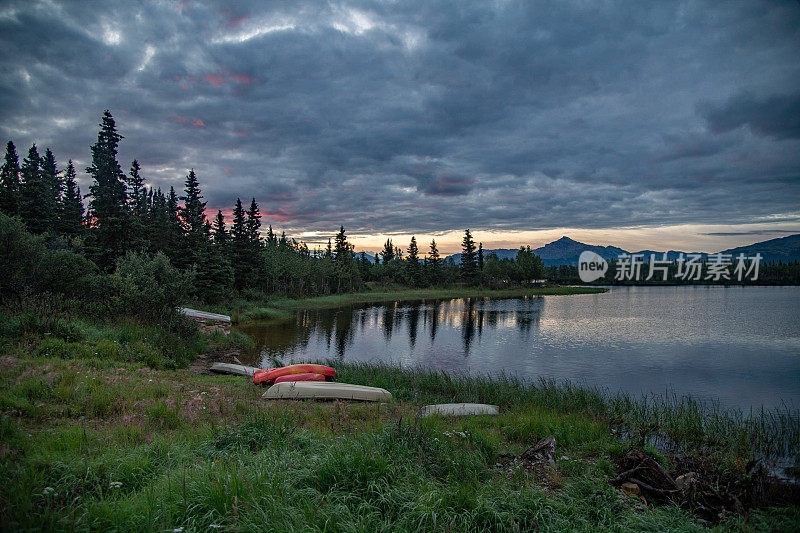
[(277, 309)]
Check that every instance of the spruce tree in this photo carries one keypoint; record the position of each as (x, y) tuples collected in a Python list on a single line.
[(35, 193), (433, 257), (54, 187), (219, 232), (480, 257), (108, 207), (9, 182), (254, 223), (468, 267), (157, 222), (174, 229), (434, 264), (137, 199), (239, 249), (193, 221), (412, 263), (342, 250), (388, 251), (193, 212), (71, 211)]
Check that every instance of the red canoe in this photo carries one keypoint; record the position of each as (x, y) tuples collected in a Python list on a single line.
[(306, 376), (269, 375)]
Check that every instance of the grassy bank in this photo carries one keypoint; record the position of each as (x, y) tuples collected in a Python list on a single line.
[(91, 443), (102, 428), (279, 308)]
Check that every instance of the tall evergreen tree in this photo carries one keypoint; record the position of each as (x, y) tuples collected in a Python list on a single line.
[(108, 207), (219, 232), (9, 182), (433, 256), (71, 211), (137, 199), (468, 266), (412, 263), (433, 264), (35, 193), (388, 251), (254, 223), (480, 257), (193, 222), (54, 185), (342, 250), (193, 212), (240, 249)]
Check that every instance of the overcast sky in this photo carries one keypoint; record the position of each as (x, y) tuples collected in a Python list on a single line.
[(617, 121)]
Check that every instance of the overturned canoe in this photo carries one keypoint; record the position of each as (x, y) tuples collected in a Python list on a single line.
[(307, 376), (269, 375), (326, 390), (230, 368), (459, 409)]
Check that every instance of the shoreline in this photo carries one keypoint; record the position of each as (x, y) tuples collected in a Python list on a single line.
[(242, 311)]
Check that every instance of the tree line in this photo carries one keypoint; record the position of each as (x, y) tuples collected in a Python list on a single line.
[(123, 216)]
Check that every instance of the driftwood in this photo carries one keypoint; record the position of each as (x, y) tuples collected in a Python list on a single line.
[(700, 486)]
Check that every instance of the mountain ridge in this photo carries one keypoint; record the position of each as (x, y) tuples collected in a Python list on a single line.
[(565, 251)]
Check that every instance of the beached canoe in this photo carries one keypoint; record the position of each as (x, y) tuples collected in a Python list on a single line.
[(307, 376), (230, 368), (268, 376), (326, 390), (459, 409)]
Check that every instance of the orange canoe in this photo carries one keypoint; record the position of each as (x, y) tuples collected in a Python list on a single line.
[(306, 376), (268, 376)]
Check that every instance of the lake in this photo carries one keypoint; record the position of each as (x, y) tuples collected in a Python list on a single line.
[(736, 345)]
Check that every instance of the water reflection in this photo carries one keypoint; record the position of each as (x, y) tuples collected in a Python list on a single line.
[(736, 345), (337, 329)]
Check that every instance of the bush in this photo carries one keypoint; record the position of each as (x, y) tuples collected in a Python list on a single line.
[(64, 272), (20, 252), (150, 287)]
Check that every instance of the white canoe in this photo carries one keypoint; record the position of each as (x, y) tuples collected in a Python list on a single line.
[(230, 368), (459, 409), (205, 315), (326, 390)]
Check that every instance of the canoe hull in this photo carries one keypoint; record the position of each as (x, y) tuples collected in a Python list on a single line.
[(269, 376), (459, 409), (324, 390), (300, 377)]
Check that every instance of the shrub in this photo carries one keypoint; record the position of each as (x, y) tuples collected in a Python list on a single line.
[(150, 287), (19, 253)]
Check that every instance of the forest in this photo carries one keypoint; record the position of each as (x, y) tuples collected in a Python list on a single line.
[(127, 224)]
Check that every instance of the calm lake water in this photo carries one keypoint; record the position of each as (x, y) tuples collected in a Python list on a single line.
[(737, 345)]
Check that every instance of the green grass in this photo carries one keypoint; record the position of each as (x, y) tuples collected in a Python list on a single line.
[(100, 429), (281, 308), (125, 447)]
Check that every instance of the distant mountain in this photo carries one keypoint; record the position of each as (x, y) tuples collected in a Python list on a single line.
[(565, 251), (785, 249)]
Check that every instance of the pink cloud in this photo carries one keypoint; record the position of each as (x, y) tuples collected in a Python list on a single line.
[(193, 121), (216, 80)]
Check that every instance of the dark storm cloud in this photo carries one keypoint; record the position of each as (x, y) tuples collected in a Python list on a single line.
[(773, 116), (426, 116)]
